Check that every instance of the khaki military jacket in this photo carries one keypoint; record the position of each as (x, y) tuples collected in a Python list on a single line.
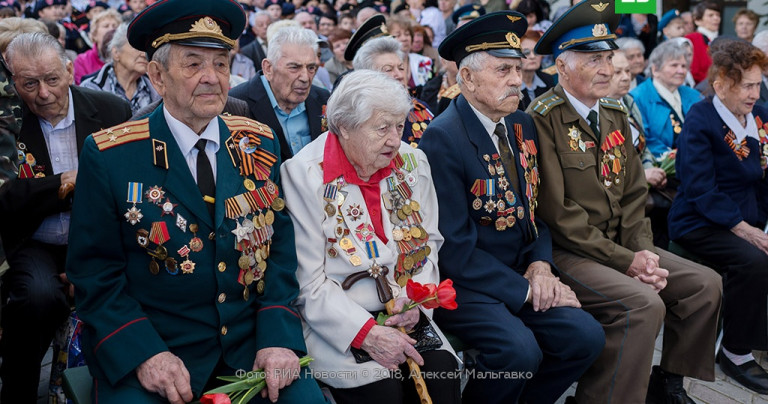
[(593, 189)]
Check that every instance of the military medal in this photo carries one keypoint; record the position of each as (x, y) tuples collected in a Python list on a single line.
[(133, 215), (142, 237), (241, 232), (249, 184), (520, 212), (355, 212), (181, 223), (171, 267), (168, 207), (510, 197), (155, 194), (195, 244), (478, 188), (154, 268), (187, 266), (329, 195)]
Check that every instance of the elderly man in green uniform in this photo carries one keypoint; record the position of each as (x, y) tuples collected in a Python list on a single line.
[(593, 201), (182, 256)]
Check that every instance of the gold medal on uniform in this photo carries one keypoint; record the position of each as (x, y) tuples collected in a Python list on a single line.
[(329, 195), (195, 244), (249, 184), (187, 266), (478, 188)]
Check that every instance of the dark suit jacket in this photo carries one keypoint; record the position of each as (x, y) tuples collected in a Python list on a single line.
[(254, 93), (475, 255), (24, 203), (547, 79), (255, 52), (763, 94)]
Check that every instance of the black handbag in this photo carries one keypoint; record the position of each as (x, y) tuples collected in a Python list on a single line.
[(427, 339)]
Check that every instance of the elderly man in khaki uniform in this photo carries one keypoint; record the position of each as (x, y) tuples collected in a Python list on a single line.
[(593, 200)]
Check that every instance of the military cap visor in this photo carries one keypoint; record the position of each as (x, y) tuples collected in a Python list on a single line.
[(497, 33), (203, 23), (373, 27), (586, 27)]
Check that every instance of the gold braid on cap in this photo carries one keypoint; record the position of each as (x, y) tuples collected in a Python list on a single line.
[(587, 39), (512, 41), (205, 27)]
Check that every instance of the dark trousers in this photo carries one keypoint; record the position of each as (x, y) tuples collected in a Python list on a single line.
[(526, 356), (443, 388), (35, 306), (745, 285)]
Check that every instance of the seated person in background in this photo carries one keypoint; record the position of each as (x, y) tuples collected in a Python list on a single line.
[(706, 16), (593, 198), (220, 303), (384, 54), (634, 50), (535, 82), (722, 203), (257, 49), (659, 201), (12, 27), (126, 74), (745, 23), (422, 45), (664, 100), (483, 152), (338, 40), (35, 208), (419, 69), (671, 25), (343, 176), (441, 89), (281, 95), (93, 59)]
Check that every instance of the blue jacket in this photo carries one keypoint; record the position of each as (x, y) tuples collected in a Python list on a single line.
[(659, 133), (717, 189), (486, 265)]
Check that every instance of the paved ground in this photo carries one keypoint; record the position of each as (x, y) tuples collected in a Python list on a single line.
[(722, 391)]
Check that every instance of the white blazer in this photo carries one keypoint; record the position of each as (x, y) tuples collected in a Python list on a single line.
[(331, 316)]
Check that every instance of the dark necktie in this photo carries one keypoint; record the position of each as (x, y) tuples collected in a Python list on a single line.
[(592, 118), (205, 176), (507, 158)]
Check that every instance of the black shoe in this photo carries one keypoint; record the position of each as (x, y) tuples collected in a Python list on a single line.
[(666, 388), (750, 375)]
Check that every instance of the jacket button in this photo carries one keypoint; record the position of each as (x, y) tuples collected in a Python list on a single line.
[(222, 297), (581, 164), (224, 330), (222, 266)]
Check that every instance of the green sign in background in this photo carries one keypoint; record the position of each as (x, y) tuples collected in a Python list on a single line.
[(635, 6)]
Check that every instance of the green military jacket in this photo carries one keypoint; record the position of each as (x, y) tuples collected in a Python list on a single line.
[(154, 272), (593, 189)]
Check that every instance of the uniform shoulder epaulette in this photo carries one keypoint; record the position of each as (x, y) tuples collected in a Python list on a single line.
[(235, 123), (450, 92), (613, 103), (551, 70), (126, 132), (544, 105)]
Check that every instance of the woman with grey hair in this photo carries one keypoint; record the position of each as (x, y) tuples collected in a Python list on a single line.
[(385, 54), (126, 73), (365, 214), (664, 100)]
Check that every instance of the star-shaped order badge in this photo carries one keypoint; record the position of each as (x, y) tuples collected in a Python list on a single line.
[(355, 212), (241, 232), (168, 207), (155, 194)]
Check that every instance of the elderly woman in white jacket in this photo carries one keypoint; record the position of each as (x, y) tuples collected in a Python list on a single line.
[(365, 214)]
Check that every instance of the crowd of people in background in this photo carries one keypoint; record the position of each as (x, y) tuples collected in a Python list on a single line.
[(677, 78)]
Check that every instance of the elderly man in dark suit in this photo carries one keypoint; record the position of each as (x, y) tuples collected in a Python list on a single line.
[(257, 49), (36, 207), (282, 95), (483, 152)]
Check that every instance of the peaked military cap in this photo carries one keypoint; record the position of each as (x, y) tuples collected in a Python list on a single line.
[(468, 12), (41, 4), (373, 27), (586, 27), (667, 18), (92, 4), (497, 33), (204, 23)]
